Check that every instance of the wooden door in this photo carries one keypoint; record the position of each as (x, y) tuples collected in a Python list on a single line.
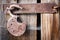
[(49, 23)]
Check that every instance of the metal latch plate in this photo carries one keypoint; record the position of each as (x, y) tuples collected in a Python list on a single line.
[(35, 8)]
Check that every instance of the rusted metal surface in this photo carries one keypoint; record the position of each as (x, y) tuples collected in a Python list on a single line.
[(16, 28), (35, 8)]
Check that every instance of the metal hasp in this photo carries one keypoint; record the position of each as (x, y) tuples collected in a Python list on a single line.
[(37, 8)]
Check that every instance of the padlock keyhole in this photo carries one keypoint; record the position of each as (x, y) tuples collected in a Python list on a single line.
[(19, 19)]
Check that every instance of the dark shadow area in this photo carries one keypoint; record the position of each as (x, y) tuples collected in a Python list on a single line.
[(38, 24), (19, 20), (17, 1)]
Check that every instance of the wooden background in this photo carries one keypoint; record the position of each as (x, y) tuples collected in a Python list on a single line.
[(49, 23), (31, 21)]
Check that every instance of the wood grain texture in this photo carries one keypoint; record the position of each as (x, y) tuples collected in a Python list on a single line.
[(3, 31), (59, 20), (11, 1), (46, 26), (50, 24), (21, 1), (55, 28), (27, 1)]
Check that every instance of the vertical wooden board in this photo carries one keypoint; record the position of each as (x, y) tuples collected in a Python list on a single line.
[(46, 26), (55, 28), (10, 1), (31, 20), (3, 31), (49, 29), (59, 20)]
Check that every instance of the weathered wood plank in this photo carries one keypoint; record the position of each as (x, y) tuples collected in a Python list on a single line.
[(21, 1), (59, 20), (46, 24), (27, 1), (50, 24), (55, 28), (3, 31), (11, 1)]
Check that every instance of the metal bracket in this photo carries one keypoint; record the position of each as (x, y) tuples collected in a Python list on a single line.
[(36, 8)]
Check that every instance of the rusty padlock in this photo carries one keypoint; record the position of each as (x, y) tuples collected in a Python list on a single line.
[(13, 26)]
